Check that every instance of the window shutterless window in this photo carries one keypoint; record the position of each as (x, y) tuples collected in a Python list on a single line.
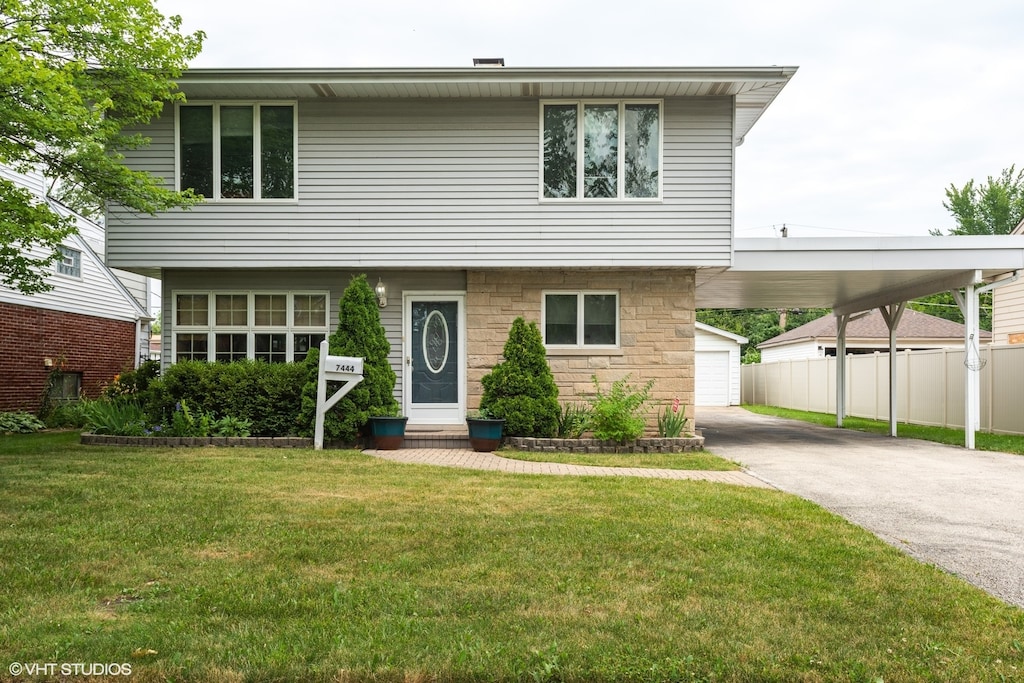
[(70, 262), (601, 150), (581, 319), (237, 151), (275, 327)]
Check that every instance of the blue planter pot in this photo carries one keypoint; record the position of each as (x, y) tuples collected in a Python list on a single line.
[(388, 433), (485, 433)]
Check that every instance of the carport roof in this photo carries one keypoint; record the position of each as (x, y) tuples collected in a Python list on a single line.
[(854, 274)]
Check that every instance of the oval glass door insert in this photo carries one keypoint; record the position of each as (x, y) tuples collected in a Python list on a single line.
[(435, 341)]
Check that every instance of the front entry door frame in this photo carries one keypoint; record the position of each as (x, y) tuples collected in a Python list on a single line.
[(445, 413)]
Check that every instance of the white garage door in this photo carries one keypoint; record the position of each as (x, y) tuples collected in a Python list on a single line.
[(712, 378)]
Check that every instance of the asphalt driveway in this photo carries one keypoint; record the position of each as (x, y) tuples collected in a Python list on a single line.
[(960, 510)]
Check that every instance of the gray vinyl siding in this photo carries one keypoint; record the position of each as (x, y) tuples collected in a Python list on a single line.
[(331, 281), (442, 184), (1007, 312)]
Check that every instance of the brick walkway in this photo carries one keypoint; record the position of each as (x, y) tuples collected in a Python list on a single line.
[(469, 459)]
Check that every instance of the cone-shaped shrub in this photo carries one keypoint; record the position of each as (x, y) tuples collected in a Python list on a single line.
[(359, 334), (521, 388)]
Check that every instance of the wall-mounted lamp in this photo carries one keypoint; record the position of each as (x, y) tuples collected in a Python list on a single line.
[(382, 293), (47, 362)]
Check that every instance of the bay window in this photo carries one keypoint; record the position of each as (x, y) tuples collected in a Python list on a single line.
[(237, 151), (601, 150)]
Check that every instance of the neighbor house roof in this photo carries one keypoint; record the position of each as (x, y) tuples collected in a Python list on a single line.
[(754, 88), (914, 326)]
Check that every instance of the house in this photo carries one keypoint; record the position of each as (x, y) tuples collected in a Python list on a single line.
[(1008, 307), (73, 339), (866, 334), (585, 199), (717, 362)]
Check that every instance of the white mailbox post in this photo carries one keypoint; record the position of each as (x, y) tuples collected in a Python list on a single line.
[(336, 369)]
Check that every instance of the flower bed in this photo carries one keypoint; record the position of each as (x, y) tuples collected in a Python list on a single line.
[(193, 441), (644, 445)]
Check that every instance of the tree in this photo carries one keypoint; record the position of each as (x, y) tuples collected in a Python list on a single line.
[(757, 324), (521, 389), (74, 75), (995, 207), (361, 335)]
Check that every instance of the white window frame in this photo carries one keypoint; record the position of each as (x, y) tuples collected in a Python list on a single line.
[(250, 329), (621, 160), (74, 268), (257, 172), (580, 296)]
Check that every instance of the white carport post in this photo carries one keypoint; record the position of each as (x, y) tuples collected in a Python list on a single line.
[(892, 320), (841, 368)]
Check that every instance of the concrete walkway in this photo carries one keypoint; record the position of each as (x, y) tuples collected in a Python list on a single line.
[(960, 510), (468, 459)]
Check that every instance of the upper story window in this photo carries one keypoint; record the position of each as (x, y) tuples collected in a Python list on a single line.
[(581, 319), (237, 151), (70, 262), (601, 150)]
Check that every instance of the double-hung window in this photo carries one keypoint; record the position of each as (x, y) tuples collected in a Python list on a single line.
[(581, 319), (275, 327), (237, 151), (601, 150), (70, 262)]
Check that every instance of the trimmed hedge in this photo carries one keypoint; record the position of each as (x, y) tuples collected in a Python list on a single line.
[(269, 395)]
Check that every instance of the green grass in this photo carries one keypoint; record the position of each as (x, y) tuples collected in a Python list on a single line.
[(1004, 443), (274, 565), (694, 460)]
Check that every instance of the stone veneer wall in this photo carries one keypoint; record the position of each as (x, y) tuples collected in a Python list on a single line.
[(656, 335)]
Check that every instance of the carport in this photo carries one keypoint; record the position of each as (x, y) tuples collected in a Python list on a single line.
[(855, 275)]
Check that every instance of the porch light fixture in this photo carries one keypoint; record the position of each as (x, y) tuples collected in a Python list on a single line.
[(381, 290)]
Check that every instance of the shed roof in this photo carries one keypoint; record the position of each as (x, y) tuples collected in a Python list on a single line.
[(914, 325)]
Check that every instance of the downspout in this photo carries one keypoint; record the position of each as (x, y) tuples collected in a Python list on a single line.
[(970, 306), (892, 320)]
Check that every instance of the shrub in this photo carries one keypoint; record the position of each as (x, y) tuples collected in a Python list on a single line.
[(616, 415), (361, 335), (573, 420), (230, 426), (20, 423), (266, 395), (117, 418), (521, 388), (67, 414), (133, 382), (672, 420)]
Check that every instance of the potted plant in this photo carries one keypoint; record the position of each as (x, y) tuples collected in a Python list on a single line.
[(387, 431), (485, 430)]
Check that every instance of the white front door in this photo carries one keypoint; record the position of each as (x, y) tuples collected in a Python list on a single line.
[(434, 340)]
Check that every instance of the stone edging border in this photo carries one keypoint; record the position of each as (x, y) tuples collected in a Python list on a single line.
[(647, 445), (193, 441)]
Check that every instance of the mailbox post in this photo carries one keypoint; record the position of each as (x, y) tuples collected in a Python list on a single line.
[(345, 369)]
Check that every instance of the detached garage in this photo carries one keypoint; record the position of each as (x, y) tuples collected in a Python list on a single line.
[(717, 360)]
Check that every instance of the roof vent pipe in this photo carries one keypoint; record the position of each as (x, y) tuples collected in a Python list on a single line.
[(489, 61)]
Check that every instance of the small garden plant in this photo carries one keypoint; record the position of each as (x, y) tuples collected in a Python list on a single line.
[(672, 420), (19, 423), (521, 389), (616, 415)]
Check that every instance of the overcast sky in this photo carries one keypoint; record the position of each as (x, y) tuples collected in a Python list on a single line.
[(893, 101)]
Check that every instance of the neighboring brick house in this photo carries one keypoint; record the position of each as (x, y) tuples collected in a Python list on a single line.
[(73, 339), (584, 199)]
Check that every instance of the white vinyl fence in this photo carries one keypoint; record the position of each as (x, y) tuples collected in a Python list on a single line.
[(930, 387)]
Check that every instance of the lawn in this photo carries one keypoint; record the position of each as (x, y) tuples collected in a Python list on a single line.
[(269, 565), (1003, 443), (692, 460)]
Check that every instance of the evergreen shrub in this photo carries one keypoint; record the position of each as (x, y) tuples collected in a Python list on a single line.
[(521, 389), (361, 335)]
